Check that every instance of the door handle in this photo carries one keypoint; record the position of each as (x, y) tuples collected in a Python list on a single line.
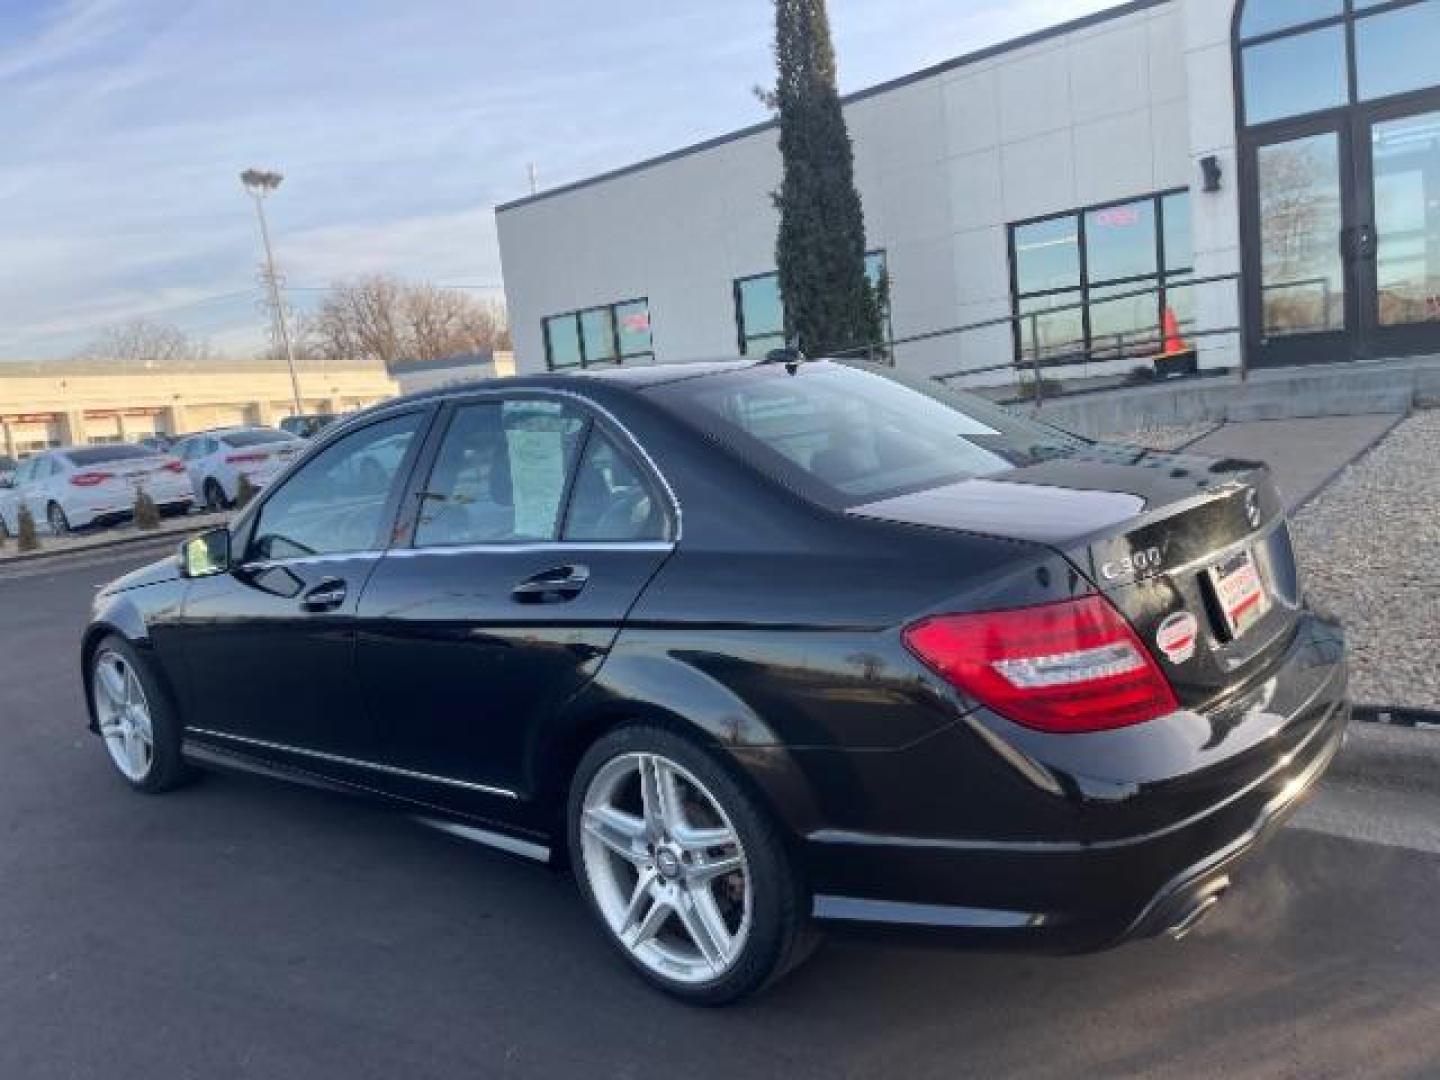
[(552, 586), (327, 596)]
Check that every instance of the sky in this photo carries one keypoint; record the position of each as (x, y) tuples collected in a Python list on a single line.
[(398, 124)]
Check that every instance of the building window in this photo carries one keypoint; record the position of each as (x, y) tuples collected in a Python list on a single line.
[(1075, 276), (611, 334), (760, 313), (1297, 56)]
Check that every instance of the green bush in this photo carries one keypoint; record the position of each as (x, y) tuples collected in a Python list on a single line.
[(29, 536), (147, 514), (244, 492)]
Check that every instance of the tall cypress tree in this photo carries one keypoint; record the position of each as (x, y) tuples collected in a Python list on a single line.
[(820, 251)]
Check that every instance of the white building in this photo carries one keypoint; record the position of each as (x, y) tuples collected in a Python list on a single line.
[(1290, 149)]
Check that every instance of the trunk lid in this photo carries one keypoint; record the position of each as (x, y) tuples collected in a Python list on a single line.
[(1193, 551)]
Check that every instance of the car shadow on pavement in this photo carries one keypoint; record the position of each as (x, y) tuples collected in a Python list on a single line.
[(314, 921)]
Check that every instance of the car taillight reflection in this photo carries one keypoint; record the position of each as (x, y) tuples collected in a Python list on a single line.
[(172, 467), (1070, 667)]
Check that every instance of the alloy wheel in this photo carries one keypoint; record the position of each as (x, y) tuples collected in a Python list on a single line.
[(124, 716), (666, 868)]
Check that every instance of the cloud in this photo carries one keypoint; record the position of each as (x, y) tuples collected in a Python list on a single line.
[(398, 127)]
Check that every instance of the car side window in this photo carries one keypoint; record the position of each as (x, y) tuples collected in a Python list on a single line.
[(336, 502), (501, 473), (611, 499)]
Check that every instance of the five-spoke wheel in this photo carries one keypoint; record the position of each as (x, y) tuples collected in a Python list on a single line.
[(666, 867), (684, 867), (123, 715), (133, 716)]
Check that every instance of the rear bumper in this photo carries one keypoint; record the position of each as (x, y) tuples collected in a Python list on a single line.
[(1104, 862)]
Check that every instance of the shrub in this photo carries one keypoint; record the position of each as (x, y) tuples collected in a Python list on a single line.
[(29, 537), (147, 514), (244, 492)]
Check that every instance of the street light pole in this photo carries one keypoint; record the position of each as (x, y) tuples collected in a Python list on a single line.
[(259, 184)]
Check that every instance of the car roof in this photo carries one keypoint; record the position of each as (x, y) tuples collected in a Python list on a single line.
[(638, 377)]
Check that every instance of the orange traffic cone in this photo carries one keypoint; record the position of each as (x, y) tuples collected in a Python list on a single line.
[(1175, 345)]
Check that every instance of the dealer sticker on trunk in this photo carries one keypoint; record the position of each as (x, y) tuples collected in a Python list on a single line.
[(1240, 591), (1177, 635)]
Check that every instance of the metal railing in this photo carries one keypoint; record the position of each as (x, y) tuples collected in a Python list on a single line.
[(1062, 355)]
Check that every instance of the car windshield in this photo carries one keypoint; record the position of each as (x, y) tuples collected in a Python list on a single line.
[(256, 438), (100, 455), (844, 434)]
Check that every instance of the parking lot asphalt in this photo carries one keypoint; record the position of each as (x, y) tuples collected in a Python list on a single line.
[(241, 928)]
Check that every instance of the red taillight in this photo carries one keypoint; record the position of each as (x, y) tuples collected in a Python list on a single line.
[(90, 479), (1068, 667), (243, 459), (172, 467)]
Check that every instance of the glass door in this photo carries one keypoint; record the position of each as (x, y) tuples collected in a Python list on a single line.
[(1302, 294), (1399, 244)]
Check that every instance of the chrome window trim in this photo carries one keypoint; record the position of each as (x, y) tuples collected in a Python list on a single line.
[(308, 560), (636, 446), (539, 546), (339, 759)]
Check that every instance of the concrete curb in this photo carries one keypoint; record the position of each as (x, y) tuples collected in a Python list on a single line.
[(1383, 755)]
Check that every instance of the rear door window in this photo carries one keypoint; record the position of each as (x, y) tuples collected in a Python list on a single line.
[(501, 473), (612, 500)]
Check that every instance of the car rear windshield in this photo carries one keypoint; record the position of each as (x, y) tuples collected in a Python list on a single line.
[(99, 455), (845, 435), (256, 438)]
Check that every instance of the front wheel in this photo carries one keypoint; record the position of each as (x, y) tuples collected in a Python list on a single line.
[(140, 730), (215, 496), (684, 868)]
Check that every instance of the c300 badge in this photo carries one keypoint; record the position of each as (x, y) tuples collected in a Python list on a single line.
[(1177, 636)]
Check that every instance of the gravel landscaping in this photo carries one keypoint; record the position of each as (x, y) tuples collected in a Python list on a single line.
[(1369, 548), (1160, 437)]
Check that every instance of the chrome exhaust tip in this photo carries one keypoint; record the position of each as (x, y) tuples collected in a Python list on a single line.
[(1198, 912)]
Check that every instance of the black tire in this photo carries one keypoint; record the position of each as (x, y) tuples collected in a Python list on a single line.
[(168, 768), (780, 936), (215, 499), (4, 529), (58, 522)]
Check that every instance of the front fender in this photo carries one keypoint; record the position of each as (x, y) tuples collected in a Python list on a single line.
[(130, 615)]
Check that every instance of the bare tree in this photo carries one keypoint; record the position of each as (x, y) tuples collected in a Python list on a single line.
[(143, 343), (385, 320)]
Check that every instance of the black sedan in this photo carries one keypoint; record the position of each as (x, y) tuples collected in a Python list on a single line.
[(758, 649)]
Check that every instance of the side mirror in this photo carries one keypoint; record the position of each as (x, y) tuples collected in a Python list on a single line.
[(206, 555)]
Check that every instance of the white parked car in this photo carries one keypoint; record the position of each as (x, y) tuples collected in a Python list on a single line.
[(215, 460), (75, 486)]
